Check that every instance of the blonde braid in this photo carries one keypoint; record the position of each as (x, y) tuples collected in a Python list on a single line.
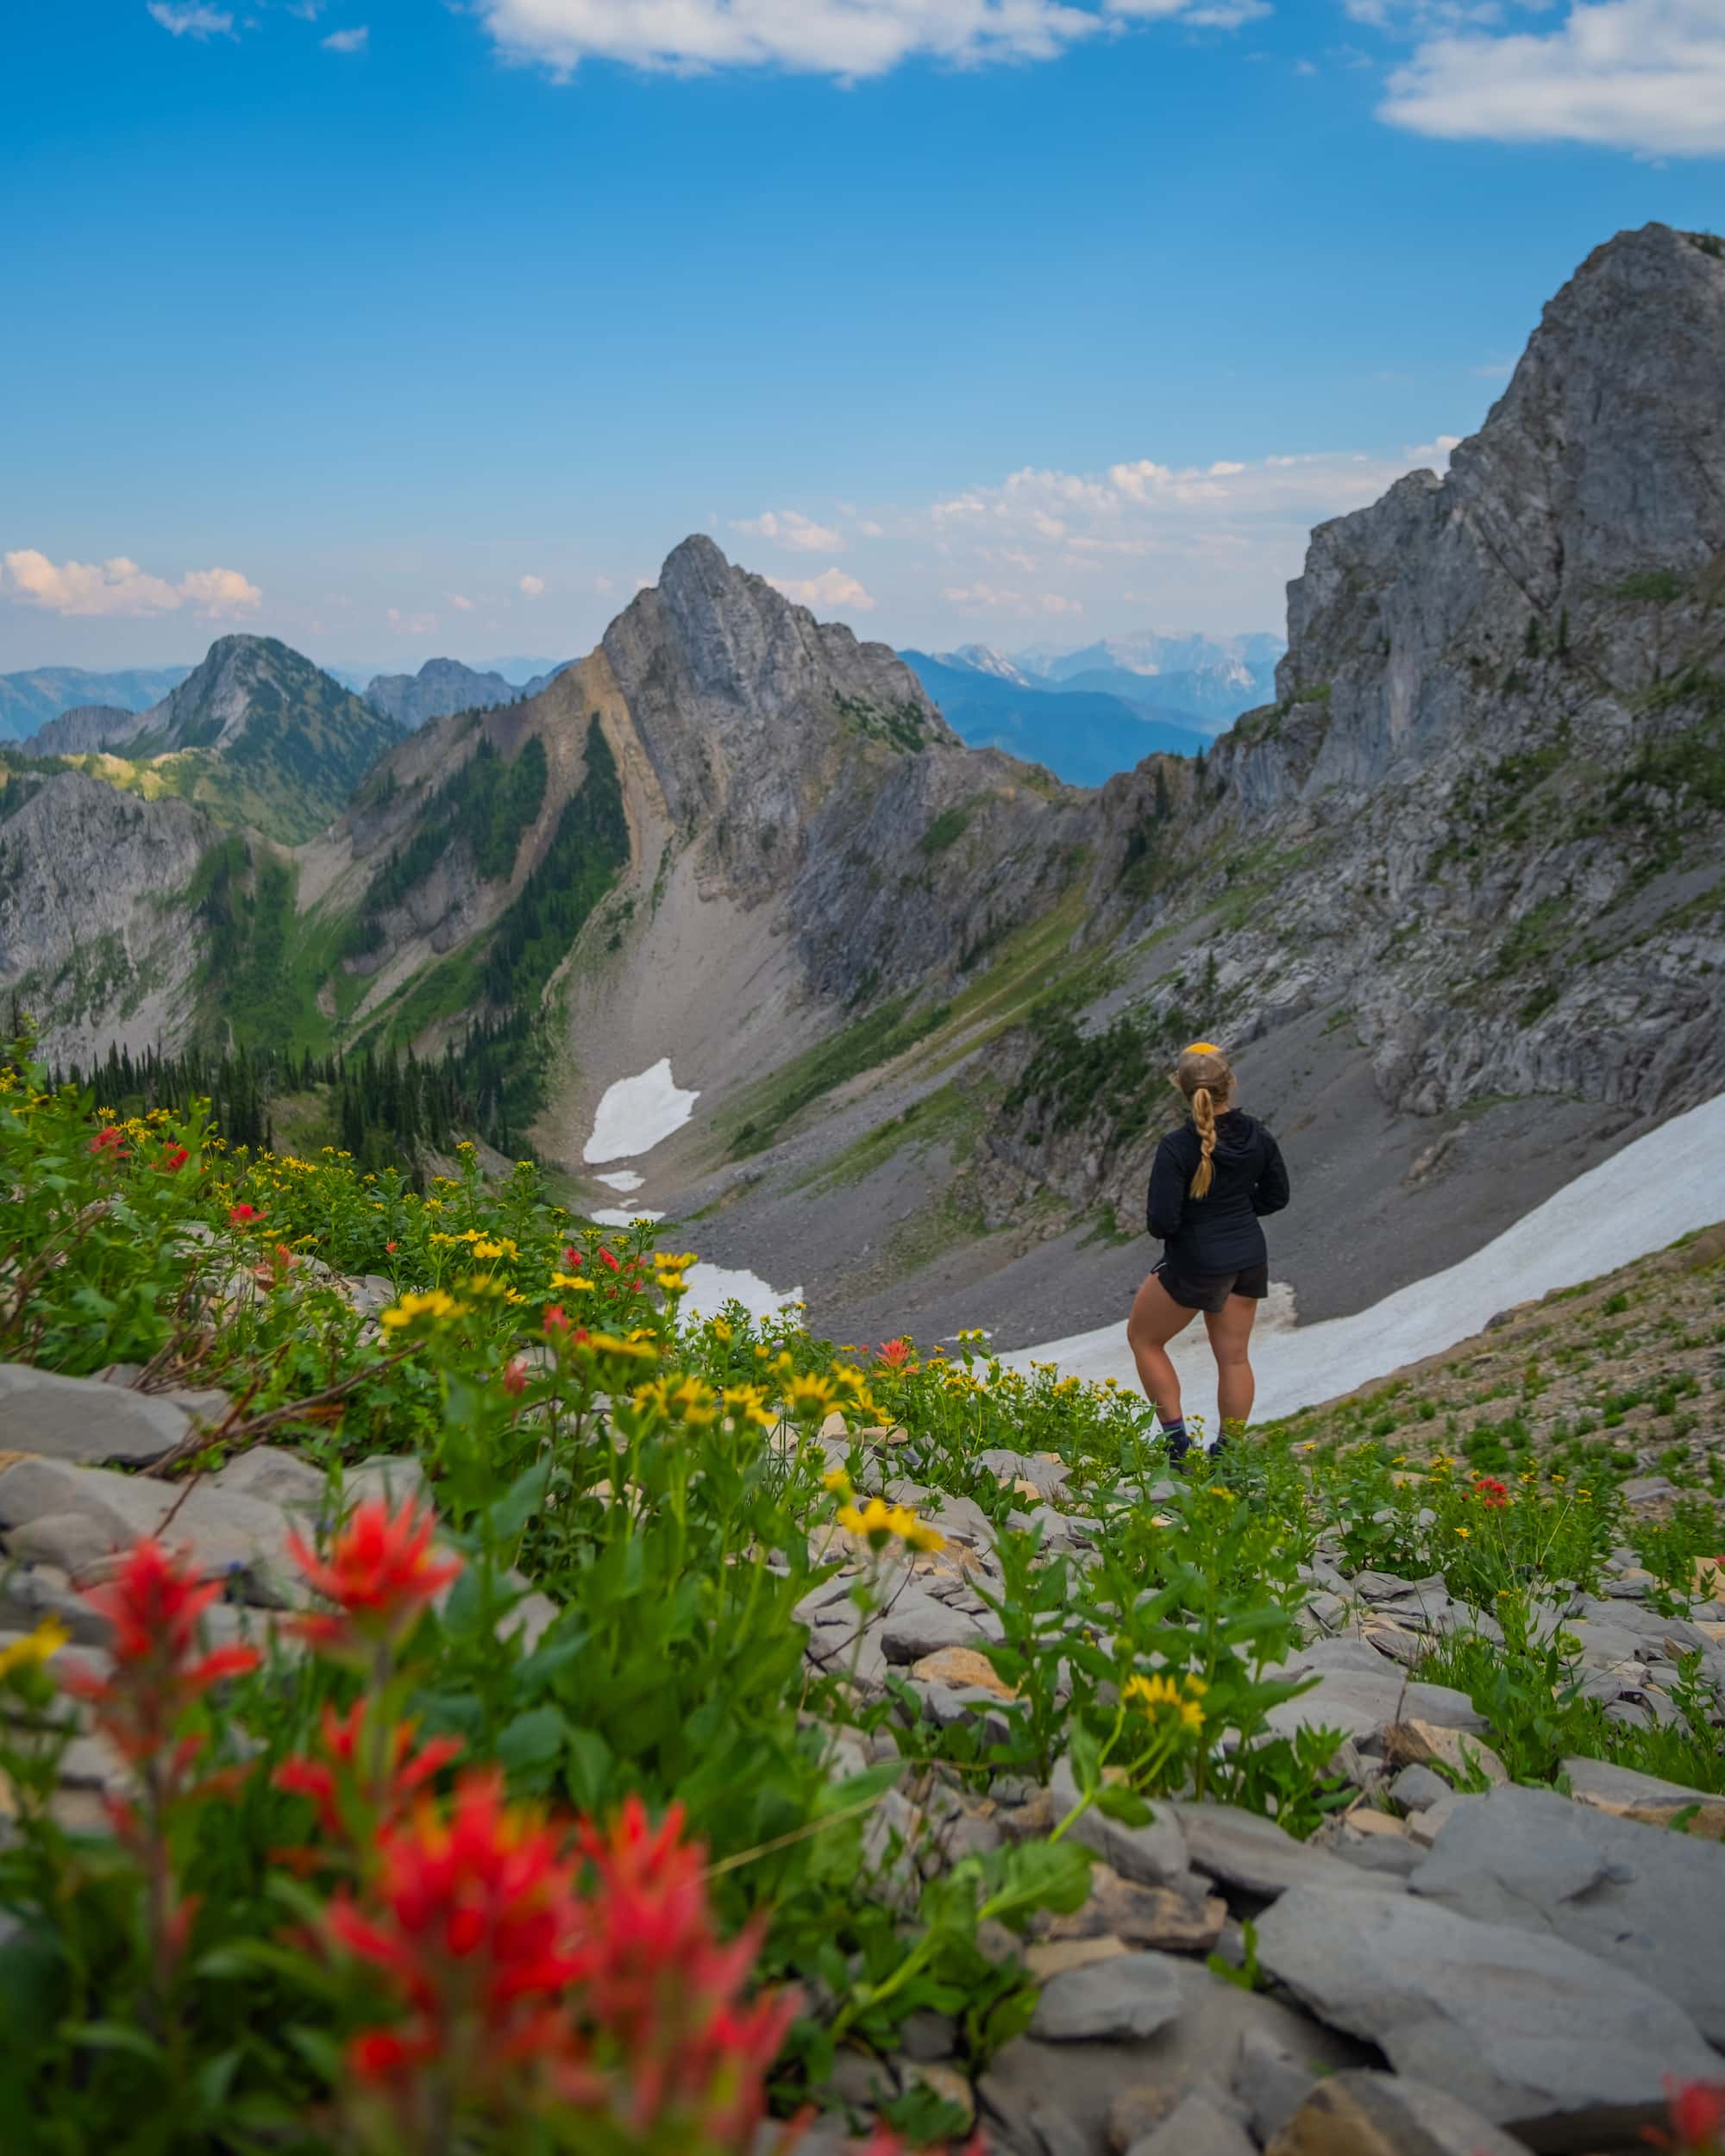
[(1204, 1075), (1204, 1115)]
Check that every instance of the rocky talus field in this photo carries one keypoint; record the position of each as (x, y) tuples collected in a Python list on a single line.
[(1359, 1791)]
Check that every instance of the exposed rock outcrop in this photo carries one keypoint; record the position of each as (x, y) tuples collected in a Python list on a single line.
[(441, 688)]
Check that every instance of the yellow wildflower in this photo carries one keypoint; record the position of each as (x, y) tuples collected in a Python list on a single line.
[(882, 1522), (753, 1402), (434, 1304), (34, 1648), (837, 1481), (1464, 1533), (1160, 1693), (571, 1280), (806, 1393)]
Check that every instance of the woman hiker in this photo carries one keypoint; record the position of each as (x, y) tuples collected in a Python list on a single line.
[(1212, 1182)]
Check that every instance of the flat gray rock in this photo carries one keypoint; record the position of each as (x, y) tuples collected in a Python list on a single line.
[(1153, 1854), (241, 1538), (1370, 2114), (1566, 2050), (1361, 1692), (1198, 2126), (1648, 1901), (278, 1477), (1128, 1996), (83, 1421), (1040, 2096), (917, 1625), (1244, 1850)]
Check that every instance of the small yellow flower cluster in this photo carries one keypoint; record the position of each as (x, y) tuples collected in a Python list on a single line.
[(1159, 1696), (685, 1399), (34, 1648), (668, 1267), (434, 1304), (883, 1523)]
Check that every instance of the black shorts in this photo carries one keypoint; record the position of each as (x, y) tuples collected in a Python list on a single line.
[(1209, 1291)]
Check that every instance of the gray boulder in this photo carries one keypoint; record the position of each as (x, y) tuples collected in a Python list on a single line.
[(1152, 1855), (1565, 2049), (1246, 1851), (1127, 1995), (83, 1421), (1365, 2114), (1650, 1902)]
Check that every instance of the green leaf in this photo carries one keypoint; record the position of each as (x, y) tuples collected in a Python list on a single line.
[(590, 1765), (116, 2036), (1085, 1753), (522, 1502), (531, 1746)]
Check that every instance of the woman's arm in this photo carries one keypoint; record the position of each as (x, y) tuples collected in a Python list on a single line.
[(1270, 1194), (1168, 1176)]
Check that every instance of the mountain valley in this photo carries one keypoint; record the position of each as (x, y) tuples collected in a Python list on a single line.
[(1455, 897)]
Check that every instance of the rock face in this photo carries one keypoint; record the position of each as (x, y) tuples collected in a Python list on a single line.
[(95, 932), (85, 728), (441, 688)]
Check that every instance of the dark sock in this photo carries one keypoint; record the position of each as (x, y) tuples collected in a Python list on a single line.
[(1175, 1438)]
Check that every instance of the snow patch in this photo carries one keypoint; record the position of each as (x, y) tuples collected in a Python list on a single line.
[(711, 1287), (636, 1114), (624, 1179), (1667, 1183), (616, 1217)]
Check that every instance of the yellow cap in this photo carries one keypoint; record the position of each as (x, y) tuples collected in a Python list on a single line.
[(1202, 1048)]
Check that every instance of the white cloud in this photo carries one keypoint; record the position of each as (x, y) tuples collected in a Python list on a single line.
[(849, 39), (533, 587), (355, 40), (1643, 75), (1213, 543), (603, 586), (1433, 456), (461, 603), (791, 529), (186, 18), (412, 624), (120, 587), (871, 530), (831, 588)]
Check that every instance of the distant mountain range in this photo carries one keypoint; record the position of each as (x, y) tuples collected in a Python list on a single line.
[(1088, 713), (28, 700), (1081, 735)]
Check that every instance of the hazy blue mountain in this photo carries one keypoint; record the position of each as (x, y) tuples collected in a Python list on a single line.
[(441, 687), (29, 701), (1213, 679), (522, 673), (1081, 737)]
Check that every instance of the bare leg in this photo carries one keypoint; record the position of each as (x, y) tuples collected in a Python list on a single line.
[(1230, 1331), (1155, 1319)]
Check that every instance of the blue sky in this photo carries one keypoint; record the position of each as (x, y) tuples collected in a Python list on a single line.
[(393, 327)]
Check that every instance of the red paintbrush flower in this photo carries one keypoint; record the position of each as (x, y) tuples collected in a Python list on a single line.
[(109, 1145), (609, 1262), (403, 1770), (1490, 1492), (241, 1216), (153, 1603), (173, 1160), (1696, 2112), (515, 1380), (474, 1929), (380, 1571), (896, 1353)]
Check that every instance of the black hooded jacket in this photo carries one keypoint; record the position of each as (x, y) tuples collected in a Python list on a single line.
[(1217, 1232)]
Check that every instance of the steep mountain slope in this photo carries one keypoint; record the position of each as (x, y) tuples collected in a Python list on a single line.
[(29, 701), (97, 926), (1458, 899), (441, 687), (259, 735), (1083, 737)]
